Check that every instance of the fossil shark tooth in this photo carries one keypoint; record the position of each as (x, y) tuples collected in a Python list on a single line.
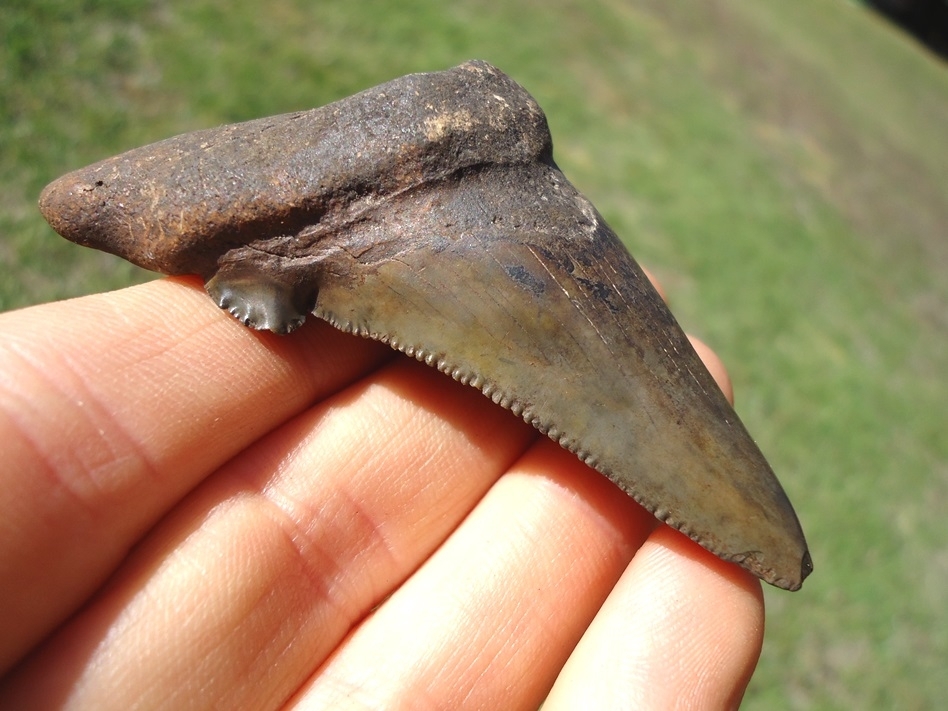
[(428, 213)]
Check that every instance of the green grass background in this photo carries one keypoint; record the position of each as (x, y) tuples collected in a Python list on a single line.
[(782, 166)]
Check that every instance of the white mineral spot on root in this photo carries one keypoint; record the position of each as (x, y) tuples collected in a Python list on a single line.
[(437, 127)]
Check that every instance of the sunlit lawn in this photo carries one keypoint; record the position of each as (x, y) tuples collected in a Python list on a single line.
[(782, 167)]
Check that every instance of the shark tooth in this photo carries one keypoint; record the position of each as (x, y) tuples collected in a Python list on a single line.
[(428, 213)]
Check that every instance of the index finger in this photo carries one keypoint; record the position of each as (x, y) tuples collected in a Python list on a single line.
[(109, 416)]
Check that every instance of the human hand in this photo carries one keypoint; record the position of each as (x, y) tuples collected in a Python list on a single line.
[(195, 515)]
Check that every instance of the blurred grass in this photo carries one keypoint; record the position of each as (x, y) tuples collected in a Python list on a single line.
[(781, 166)]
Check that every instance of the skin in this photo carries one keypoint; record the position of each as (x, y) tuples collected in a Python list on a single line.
[(196, 515)]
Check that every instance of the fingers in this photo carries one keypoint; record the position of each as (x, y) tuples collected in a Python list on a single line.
[(488, 621), (490, 618), (109, 416), (682, 629), (262, 571), (655, 283), (284, 568), (715, 366)]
